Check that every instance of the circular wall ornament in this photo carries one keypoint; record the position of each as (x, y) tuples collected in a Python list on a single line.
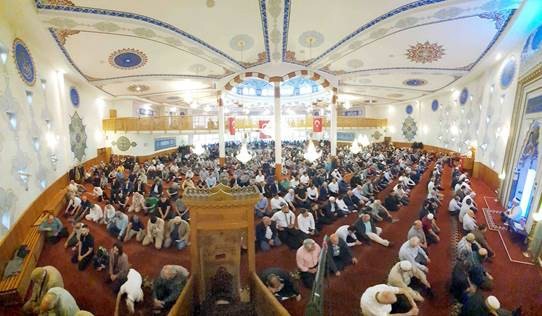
[(74, 97), (434, 105), (464, 96), (409, 109), (127, 58), (241, 42), (123, 143), (138, 88), (24, 62), (415, 82), (508, 73)]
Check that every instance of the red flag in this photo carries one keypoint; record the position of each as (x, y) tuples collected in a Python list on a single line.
[(265, 131), (317, 124), (231, 125)]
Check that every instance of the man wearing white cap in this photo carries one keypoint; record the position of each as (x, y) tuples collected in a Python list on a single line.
[(401, 275), (469, 222), (512, 213), (377, 300), (431, 229), (494, 307)]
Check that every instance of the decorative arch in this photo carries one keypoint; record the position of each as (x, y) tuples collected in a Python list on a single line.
[(240, 78)]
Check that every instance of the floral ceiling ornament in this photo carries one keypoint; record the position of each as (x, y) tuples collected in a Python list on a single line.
[(78, 137), (425, 53), (24, 62), (409, 128), (63, 34), (127, 59)]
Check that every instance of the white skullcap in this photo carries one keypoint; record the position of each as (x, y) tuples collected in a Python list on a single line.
[(430, 216), (492, 302), (405, 265), (332, 199)]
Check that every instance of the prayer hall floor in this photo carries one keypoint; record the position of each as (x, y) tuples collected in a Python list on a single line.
[(515, 284)]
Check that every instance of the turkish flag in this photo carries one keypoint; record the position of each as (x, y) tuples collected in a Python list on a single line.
[(264, 126), (317, 124), (231, 125)]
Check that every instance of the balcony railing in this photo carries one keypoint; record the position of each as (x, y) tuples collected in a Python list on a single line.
[(210, 123)]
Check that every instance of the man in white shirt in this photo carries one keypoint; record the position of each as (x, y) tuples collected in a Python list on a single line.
[(348, 234), (276, 201), (454, 206), (290, 198), (377, 300), (469, 223), (304, 179), (465, 207), (95, 214), (412, 252), (305, 222), (342, 206), (285, 223), (333, 187)]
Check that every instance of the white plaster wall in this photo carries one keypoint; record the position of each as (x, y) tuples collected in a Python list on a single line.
[(19, 152), (484, 120)]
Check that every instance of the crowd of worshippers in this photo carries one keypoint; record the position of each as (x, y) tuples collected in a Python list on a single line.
[(49, 297), (470, 275)]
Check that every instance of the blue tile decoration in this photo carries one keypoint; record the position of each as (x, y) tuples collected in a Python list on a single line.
[(534, 105), (24, 62), (409, 109), (345, 137), (74, 97), (164, 143), (532, 45), (508, 72), (464, 96), (434, 105), (409, 128), (127, 58), (415, 82)]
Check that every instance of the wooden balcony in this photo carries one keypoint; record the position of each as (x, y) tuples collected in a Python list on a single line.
[(210, 123)]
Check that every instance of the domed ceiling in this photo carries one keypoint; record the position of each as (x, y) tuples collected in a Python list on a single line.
[(382, 51)]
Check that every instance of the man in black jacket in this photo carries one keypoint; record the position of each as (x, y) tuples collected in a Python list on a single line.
[(339, 255), (280, 283), (366, 230), (266, 234)]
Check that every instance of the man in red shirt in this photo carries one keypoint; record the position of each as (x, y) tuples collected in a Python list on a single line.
[(430, 229)]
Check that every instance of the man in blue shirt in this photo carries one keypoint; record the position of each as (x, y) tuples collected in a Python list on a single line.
[(52, 227)]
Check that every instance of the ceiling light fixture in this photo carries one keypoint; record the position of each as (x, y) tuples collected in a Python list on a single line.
[(244, 156), (198, 149)]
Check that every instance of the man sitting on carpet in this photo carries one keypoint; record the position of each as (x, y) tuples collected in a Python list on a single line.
[(366, 230), (307, 261), (412, 252), (339, 255), (280, 284), (380, 300), (404, 275)]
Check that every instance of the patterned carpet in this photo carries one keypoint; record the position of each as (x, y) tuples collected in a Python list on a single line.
[(492, 218)]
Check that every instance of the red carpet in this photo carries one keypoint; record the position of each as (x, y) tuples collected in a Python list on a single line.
[(516, 284)]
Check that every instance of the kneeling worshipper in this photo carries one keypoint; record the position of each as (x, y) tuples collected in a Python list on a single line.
[(466, 246), (43, 279), (348, 234), (84, 250), (118, 225), (478, 274), (404, 275), (339, 255), (168, 286), (59, 302), (118, 267), (411, 251), (132, 289), (155, 232), (307, 261), (178, 233), (266, 234), (382, 300), (305, 222), (95, 213), (285, 223), (135, 228), (53, 229), (280, 284)]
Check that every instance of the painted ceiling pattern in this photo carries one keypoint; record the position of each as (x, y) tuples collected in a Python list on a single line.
[(134, 43)]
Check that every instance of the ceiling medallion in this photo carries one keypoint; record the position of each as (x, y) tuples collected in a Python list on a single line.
[(138, 88), (74, 97), (311, 39), (415, 82), (241, 42), (425, 53), (409, 109), (127, 58)]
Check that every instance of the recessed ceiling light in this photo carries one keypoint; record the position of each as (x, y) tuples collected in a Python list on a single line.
[(498, 57)]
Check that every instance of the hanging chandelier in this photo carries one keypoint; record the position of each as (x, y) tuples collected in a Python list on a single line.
[(311, 155), (364, 140), (355, 148), (198, 149), (244, 156)]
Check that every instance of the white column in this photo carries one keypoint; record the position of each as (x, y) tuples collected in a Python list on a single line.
[(221, 129), (277, 125), (333, 129)]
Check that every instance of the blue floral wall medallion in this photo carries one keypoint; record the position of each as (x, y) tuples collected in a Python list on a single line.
[(434, 105), (508, 72), (464, 96), (532, 45), (415, 82), (74, 97), (127, 58), (409, 128), (409, 109), (24, 62)]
